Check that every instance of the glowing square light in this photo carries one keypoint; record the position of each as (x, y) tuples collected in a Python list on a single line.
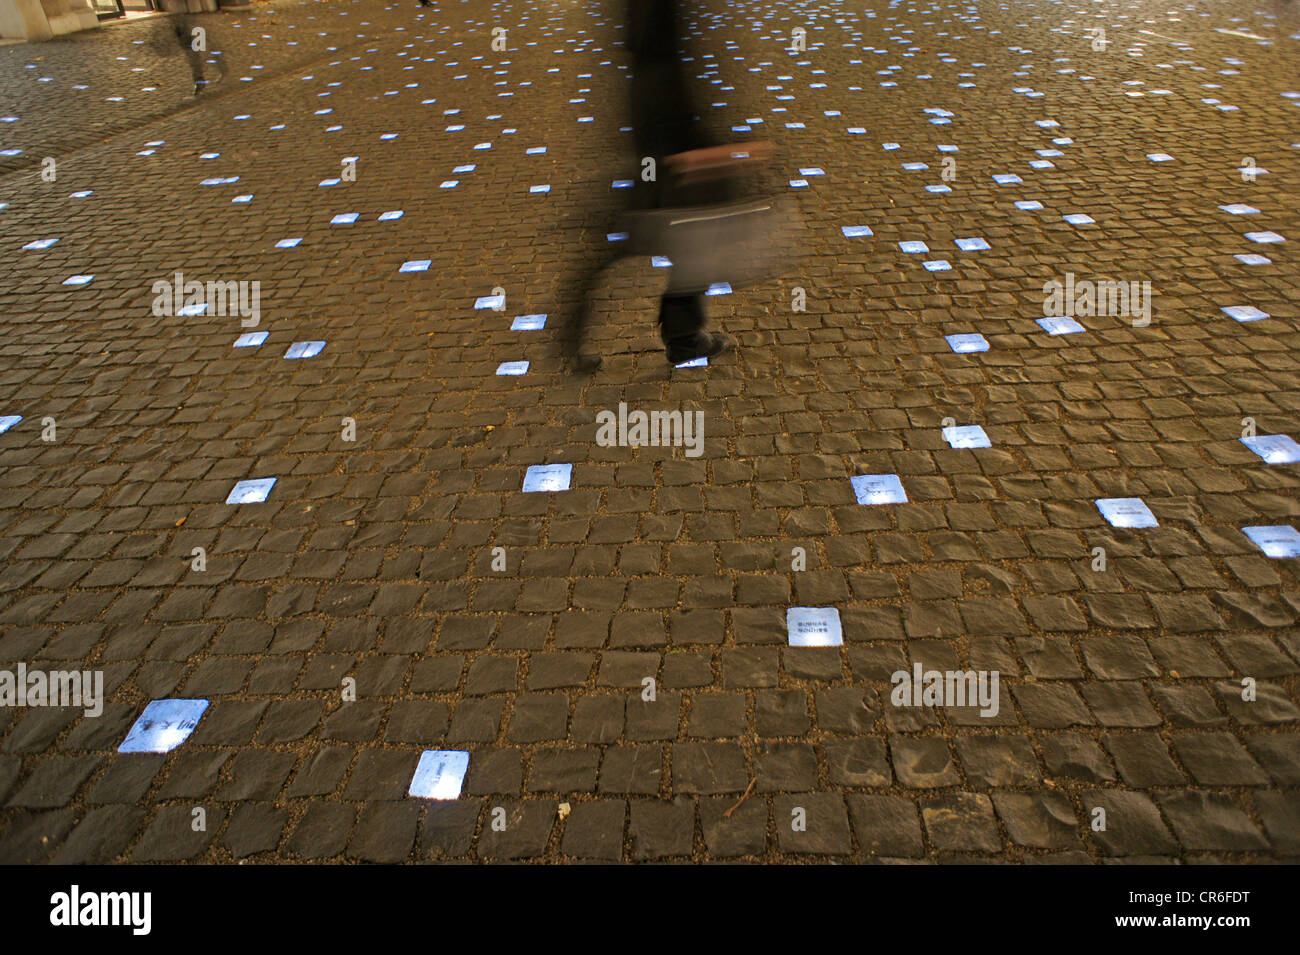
[(1029, 205), (81, 194), (857, 130), (468, 167), (512, 368), (344, 218), (856, 231), (1244, 313), (812, 171), (247, 198), (528, 323), (966, 436), (449, 184), (1006, 178), (388, 136), (1264, 237), (890, 147), (1274, 448), (330, 182), (39, 244), (1240, 209), (8, 421), (813, 627), (250, 340), (1060, 325), (390, 216), (196, 309), (78, 279), (548, 477), (496, 302), (416, 265), (538, 189), (661, 262), (915, 166), (913, 248), (288, 243), (1126, 512), (252, 491), (1079, 218), (1277, 540), (798, 183), (1042, 164), (701, 362), (937, 265), (718, 288), (878, 489), (304, 349), (975, 244), (439, 774), (964, 344), (163, 726)]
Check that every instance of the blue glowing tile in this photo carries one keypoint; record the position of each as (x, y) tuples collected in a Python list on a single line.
[(1079, 218), (163, 726), (741, 129), (795, 126), (661, 262), (247, 198), (439, 774), (1240, 209), (535, 150), (1049, 153), (388, 136), (252, 491), (718, 288), (812, 171), (495, 302), (196, 309), (937, 265), (1007, 179), (548, 477), (963, 344), (10, 152), (39, 244), (913, 248), (1042, 164), (798, 183), (512, 368), (617, 237), (344, 218), (813, 627), (857, 130), (250, 339), (483, 146), (974, 244), (454, 129), (621, 184), (966, 436), (416, 265), (1060, 325), (1160, 157), (304, 349), (80, 194), (1126, 512), (1274, 448), (1244, 313), (538, 189), (1046, 123), (390, 216), (1264, 237), (528, 323), (329, 182), (8, 421), (878, 489), (856, 231), (287, 243), (915, 166), (449, 184), (1029, 205), (889, 147), (1250, 258), (210, 156), (78, 279), (1277, 540), (469, 167)]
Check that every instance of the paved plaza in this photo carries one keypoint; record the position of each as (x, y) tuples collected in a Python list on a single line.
[(1024, 410)]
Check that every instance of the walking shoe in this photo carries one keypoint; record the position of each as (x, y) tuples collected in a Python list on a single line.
[(705, 345)]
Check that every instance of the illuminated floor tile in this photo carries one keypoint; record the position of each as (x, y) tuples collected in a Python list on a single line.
[(8, 421), (1060, 325), (539, 189), (287, 243), (1007, 179), (878, 489), (344, 218), (718, 288), (416, 265), (78, 279), (701, 362), (250, 339), (439, 774), (1240, 209), (1126, 512), (1160, 157), (1029, 205), (512, 368), (304, 349), (972, 245), (1264, 237), (966, 436), (163, 726), (1079, 218), (937, 265), (528, 323), (1278, 540), (964, 344), (1274, 448), (252, 491), (1244, 313), (490, 301), (913, 247), (856, 231), (548, 477), (813, 627), (39, 244)]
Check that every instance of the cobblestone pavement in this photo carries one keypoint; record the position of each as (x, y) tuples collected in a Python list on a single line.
[(399, 592)]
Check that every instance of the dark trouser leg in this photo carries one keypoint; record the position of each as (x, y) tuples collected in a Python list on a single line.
[(681, 318)]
